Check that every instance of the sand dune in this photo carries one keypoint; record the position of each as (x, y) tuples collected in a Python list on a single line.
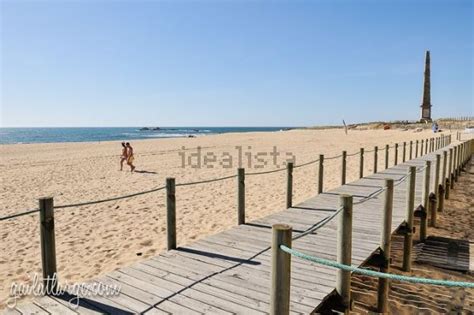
[(92, 240)]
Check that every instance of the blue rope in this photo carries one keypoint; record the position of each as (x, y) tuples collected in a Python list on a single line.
[(377, 274)]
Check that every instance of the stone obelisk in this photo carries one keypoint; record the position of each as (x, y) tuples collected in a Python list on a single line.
[(426, 102)]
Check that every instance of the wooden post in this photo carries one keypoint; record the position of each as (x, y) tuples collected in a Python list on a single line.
[(321, 173), (437, 172), (361, 163), (241, 196), (416, 149), (441, 198), (450, 173), (459, 166), (432, 201), (411, 149), (171, 212), (425, 204), (375, 158), (281, 270), (396, 154), (407, 246), (385, 245), (443, 173), (344, 251), (455, 163), (343, 170), (289, 185), (387, 149), (404, 151), (48, 243)]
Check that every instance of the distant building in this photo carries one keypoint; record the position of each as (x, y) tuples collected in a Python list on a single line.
[(426, 101)]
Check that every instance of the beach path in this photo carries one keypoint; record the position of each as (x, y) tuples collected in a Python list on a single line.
[(230, 272)]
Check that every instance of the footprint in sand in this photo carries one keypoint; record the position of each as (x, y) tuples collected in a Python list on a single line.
[(146, 243)]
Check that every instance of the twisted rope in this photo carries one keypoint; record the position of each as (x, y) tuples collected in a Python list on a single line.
[(19, 214), (376, 274), (266, 172), (108, 199), (319, 225), (333, 157), (355, 153), (206, 181), (307, 163)]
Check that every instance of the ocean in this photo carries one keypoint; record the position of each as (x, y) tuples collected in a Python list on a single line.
[(48, 135)]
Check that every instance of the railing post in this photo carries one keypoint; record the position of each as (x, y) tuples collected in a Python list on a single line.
[(432, 201), (459, 166), (48, 244), (421, 147), (425, 204), (361, 163), (416, 149), (289, 185), (455, 163), (426, 146), (387, 149), (375, 158), (343, 170), (411, 150), (441, 198), (385, 246), (281, 270), (452, 160), (344, 251), (171, 212), (453, 168), (407, 246), (321, 173), (241, 196), (404, 151), (437, 172), (396, 154), (450, 173)]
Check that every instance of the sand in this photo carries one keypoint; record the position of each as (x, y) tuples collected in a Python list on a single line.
[(456, 222), (92, 240)]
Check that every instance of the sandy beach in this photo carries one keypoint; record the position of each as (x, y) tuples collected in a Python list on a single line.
[(92, 240)]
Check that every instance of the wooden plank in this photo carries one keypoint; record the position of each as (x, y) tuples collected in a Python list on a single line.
[(30, 308), (53, 306)]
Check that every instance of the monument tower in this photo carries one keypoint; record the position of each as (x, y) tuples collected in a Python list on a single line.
[(426, 102)]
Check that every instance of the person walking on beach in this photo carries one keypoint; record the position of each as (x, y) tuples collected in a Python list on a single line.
[(124, 156), (130, 157)]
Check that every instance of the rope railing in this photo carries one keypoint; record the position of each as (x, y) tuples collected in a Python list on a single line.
[(177, 185), (19, 214), (373, 273), (352, 154), (307, 163), (206, 181), (108, 199), (266, 172), (319, 224)]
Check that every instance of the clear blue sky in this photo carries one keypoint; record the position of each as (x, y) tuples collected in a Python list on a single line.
[(231, 63)]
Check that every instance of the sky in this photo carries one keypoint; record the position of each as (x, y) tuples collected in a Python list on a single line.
[(231, 63)]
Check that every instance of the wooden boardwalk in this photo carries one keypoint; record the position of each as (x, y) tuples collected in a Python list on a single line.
[(230, 272)]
